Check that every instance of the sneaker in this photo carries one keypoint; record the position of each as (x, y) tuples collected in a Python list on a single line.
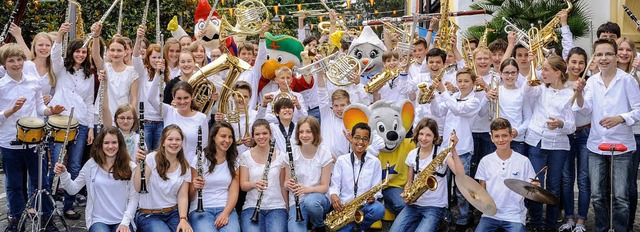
[(567, 227), (579, 228), (81, 200), (71, 215), (13, 225)]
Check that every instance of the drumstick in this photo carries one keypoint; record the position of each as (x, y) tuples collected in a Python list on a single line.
[(537, 174)]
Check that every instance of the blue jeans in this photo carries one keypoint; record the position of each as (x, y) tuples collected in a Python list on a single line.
[(372, 213), (315, 112), (463, 204), (578, 142), (633, 183), (152, 133), (204, 221), (554, 160), (14, 162), (418, 218), (313, 208), (163, 222), (392, 199), (73, 160), (490, 224), (599, 173), (101, 227), (268, 220), (482, 146), (520, 147)]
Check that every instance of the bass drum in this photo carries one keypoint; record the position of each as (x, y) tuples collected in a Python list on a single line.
[(30, 130), (58, 126)]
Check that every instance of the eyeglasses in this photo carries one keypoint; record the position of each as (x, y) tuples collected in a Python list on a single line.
[(361, 139), (609, 54), (213, 57), (125, 118), (512, 73)]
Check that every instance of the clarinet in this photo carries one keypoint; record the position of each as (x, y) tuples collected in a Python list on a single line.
[(631, 15), (292, 169), (265, 176), (200, 171), (143, 178)]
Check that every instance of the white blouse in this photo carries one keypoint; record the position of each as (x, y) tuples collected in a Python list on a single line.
[(31, 69), (118, 87), (272, 198), (308, 171), (550, 103), (162, 193)]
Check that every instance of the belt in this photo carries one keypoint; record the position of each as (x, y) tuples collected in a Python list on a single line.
[(310, 108), (152, 122), (588, 126), (163, 210)]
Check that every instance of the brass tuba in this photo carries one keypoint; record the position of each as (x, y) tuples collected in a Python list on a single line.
[(250, 15), (203, 88)]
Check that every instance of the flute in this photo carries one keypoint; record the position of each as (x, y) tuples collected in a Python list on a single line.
[(143, 178), (200, 208), (292, 169), (145, 13), (63, 153), (265, 176), (119, 30), (161, 76), (101, 21)]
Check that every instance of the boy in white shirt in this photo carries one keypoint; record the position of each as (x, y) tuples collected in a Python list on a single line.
[(353, 175), (399, 87), (283, 79), (511, 215)]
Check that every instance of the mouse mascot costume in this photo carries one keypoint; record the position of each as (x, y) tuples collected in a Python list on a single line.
[(368, 48), (389, 122)]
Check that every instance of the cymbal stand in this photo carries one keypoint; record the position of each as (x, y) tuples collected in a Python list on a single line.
[(36, 219)]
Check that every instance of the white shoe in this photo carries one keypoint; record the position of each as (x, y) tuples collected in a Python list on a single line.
[(567, 226), (579, 229)]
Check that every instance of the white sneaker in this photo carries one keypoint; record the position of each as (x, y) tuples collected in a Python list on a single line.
[(579, 228), (567, 226)]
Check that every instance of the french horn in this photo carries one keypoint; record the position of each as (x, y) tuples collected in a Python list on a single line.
[(249, 15)]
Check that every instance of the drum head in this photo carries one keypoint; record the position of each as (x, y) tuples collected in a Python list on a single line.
[(31, 122), (60, 121)]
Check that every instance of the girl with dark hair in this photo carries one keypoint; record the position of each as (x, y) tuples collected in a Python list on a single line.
[(425, 214), (576, 66), (513, 106), (273, 208), (74, 89), (108, 171), (185, 114), (167, 172), (219, 183)]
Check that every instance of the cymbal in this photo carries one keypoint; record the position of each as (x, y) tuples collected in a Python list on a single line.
[(476, 194), (531, 191)]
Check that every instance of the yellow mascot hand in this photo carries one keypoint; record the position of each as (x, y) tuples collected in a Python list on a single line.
[(173, 24)]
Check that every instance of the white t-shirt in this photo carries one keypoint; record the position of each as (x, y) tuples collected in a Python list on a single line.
[(162, 193), (111, 206), (272, 198), (515, 108), (437, 198), (118, 87), (216, 184), (494, 171), (189, 126), (308, 171)]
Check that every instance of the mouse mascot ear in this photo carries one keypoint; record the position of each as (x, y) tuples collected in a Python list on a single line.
[(354, 114)]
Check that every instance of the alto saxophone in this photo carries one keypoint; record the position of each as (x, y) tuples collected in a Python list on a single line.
[(425, 180), (379, 80), (351, 210), (427, 94)]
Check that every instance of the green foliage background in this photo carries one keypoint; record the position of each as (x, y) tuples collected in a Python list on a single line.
[(47, 16), (523, 13)]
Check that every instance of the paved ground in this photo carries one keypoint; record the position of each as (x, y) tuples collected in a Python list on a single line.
[(79, 225)]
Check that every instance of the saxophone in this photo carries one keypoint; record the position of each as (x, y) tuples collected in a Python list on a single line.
[(379, 80), (446, 29), (351, 210), (425, 180), (426, 94)]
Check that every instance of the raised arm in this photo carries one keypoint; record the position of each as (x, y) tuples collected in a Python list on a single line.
[(95, 49)]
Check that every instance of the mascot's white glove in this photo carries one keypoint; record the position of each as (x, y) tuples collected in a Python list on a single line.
[(376, 144)]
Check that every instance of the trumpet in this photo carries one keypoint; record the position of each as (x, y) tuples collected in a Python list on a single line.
[(522, 36), (265, 176), (101, 21), (534, 38)]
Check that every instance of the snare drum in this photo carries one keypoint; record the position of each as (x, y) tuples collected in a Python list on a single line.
[(58, 126), (30, 130)]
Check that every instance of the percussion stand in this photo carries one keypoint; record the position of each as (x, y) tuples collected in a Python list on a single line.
[(612, 147), (40, 192)]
